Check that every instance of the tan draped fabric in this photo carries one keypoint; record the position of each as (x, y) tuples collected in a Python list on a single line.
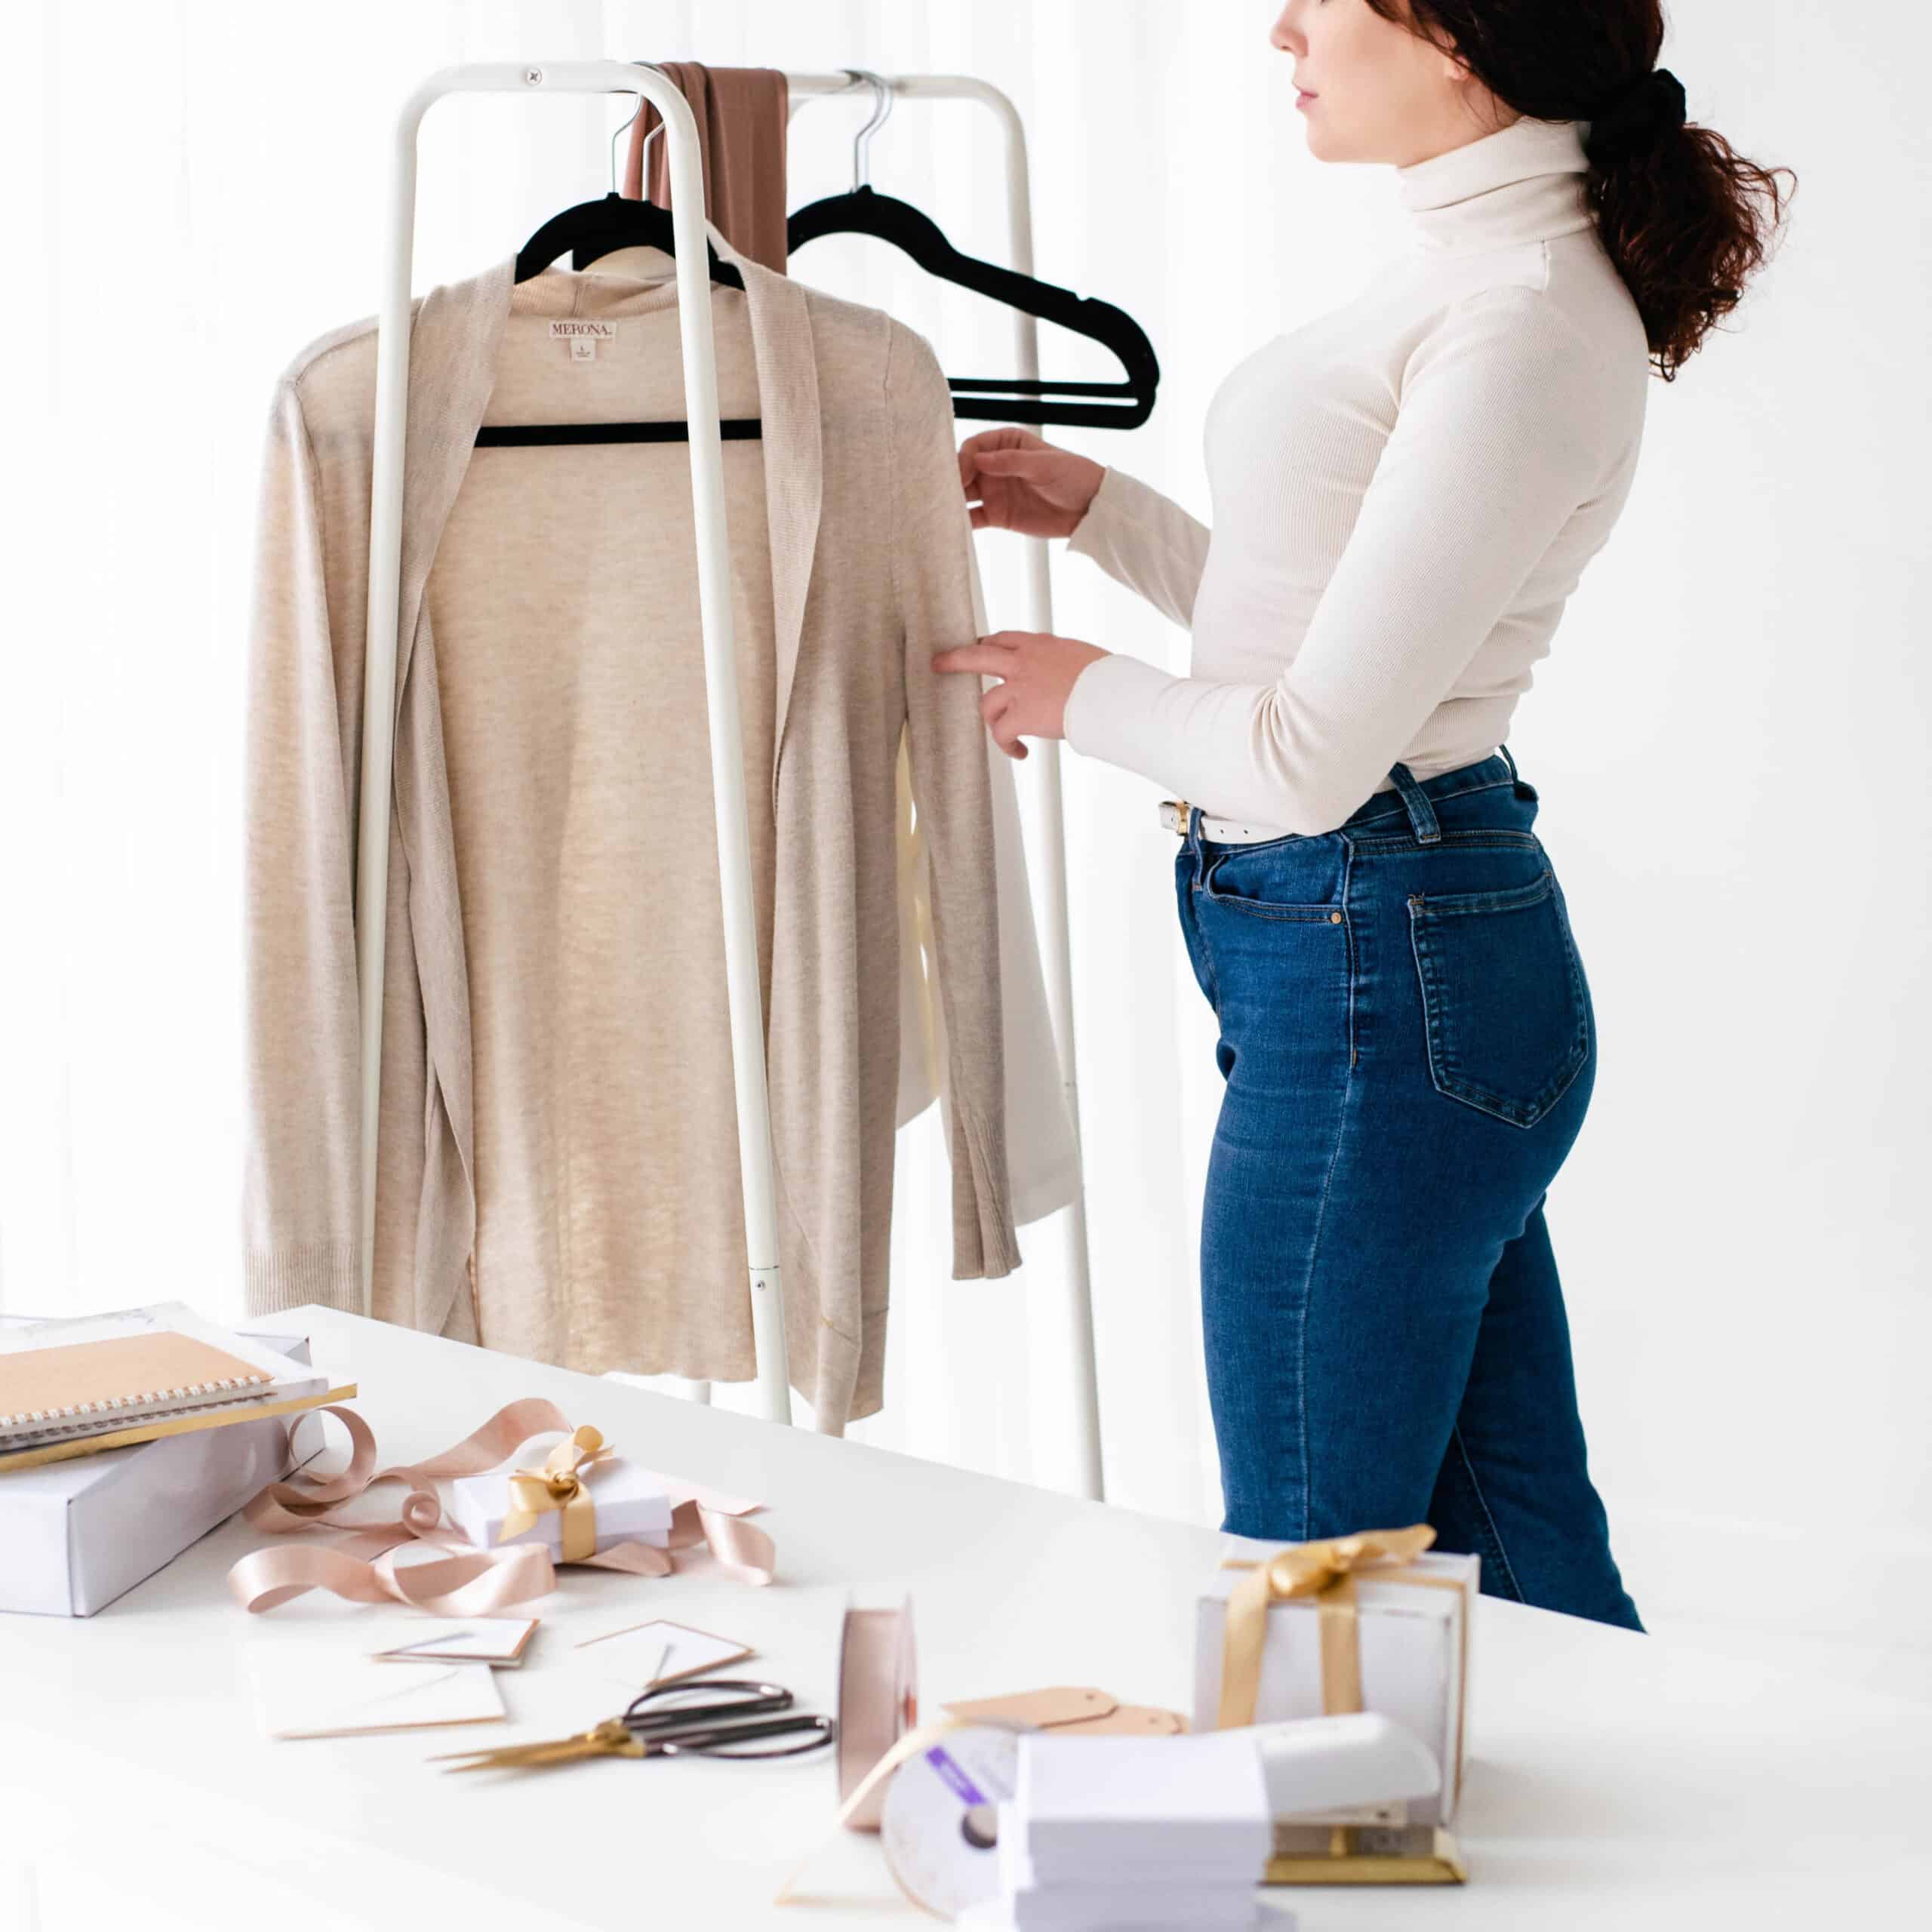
[(740, 113)]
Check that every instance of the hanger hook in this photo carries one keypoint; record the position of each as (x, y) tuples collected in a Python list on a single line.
[(644, 151), (882, 98)]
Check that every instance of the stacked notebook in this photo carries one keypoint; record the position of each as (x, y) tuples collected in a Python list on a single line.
[(69, 1387), (1134, 1832)]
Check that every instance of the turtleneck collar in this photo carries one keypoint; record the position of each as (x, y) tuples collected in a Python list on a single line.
[(1522, 183)]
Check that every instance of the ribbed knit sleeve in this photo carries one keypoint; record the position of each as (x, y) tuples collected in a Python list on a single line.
[(1504, 426), (952, 793), (1145, 541), (303, 1185)]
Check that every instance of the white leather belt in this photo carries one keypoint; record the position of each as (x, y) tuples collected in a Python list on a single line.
[(1218, 831)]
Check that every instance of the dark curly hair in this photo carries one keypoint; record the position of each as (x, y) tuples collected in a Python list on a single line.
[(1686, 220)]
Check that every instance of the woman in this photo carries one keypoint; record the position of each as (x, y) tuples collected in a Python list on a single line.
[(1405, 492)]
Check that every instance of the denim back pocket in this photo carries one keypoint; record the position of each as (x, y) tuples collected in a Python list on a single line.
[(1504, 1004)]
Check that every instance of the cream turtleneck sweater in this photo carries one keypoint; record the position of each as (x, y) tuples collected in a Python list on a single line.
[(1405, 492)]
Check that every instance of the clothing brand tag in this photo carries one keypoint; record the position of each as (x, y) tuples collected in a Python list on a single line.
[(582, 337)]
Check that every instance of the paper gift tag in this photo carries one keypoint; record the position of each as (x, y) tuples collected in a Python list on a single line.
[(1047, 1709), (1126, 1721), (630, 1658)]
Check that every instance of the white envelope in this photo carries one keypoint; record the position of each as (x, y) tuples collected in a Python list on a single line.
[(330, 1691), (658, 1651), (501, 1642)]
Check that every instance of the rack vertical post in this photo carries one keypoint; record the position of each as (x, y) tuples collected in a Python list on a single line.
[(379, 694)]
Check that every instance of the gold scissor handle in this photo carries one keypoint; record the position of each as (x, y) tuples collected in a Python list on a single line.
[(607, 1740)]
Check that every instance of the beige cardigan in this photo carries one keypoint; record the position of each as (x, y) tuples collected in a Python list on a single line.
[(870, 575)]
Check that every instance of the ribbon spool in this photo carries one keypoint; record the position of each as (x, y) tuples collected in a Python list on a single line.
[(878, 1702), (941, 1832)]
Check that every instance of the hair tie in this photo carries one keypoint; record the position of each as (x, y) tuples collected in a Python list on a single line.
[(1635, 115)]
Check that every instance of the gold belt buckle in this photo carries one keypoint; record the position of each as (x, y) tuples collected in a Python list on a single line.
[(1183, 812)]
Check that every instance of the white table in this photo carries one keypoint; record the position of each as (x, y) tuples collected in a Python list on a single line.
[(1614, 1781)]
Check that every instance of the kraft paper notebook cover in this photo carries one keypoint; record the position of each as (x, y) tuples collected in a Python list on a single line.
[(120, 1377), (72, 1388)]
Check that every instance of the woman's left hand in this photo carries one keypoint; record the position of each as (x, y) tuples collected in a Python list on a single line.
[(1037, 670)]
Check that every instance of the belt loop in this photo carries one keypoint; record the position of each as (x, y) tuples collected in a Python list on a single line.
[(1504, 751), (1422, 814), (1194, 816)]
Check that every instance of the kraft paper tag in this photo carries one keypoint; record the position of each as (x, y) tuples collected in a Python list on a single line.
[(1128, 1721), (1047, 1708)]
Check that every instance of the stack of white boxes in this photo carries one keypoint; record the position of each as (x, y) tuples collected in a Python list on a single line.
[(1134, 1833)]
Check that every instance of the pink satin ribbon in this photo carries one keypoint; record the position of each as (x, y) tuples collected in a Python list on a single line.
[(364, 1568)]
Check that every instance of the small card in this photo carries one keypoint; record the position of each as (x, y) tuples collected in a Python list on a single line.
[(631, 1657), (314, 1691), (499, 1642)]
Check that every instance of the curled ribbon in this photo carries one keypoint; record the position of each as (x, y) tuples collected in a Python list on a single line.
[(465, 1582), (559, 1485)]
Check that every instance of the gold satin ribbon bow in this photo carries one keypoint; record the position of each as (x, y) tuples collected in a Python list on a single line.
[(1325, 1572), (559, 1485)]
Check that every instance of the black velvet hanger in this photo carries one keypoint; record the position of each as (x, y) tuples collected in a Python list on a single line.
[(594, 230), (590, 231), (1002, 399)]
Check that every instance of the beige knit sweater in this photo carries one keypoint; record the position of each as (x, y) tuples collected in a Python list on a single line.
[(556, 1099)]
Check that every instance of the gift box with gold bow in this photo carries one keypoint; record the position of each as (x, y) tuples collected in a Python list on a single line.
[(1373, 1622), (569, 1492)]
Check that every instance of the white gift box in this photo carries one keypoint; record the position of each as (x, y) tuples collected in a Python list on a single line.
[(631, 1503), (79, 1534), (1414, 1643)]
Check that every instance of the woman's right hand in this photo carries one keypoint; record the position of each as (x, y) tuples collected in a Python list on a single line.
[(1017, 481)]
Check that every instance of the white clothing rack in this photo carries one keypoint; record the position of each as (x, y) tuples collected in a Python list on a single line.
[(720, 643)]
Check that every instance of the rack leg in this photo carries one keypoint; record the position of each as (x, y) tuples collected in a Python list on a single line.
[(1090, 1471)]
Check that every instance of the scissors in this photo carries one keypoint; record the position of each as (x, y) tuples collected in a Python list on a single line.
[(672, 1729)]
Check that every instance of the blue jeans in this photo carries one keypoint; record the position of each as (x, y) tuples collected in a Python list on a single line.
[(1408, 1047)]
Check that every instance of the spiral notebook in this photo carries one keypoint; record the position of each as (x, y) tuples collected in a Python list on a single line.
[(66, 1382)]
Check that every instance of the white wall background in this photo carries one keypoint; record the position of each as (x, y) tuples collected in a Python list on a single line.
[(1729, 737)]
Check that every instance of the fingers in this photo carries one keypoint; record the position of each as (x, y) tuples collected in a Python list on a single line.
[(999, 453), (973, 451), (1011, 462), (1000, 710), (987, 657), (996, 657), (1009, 439)]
